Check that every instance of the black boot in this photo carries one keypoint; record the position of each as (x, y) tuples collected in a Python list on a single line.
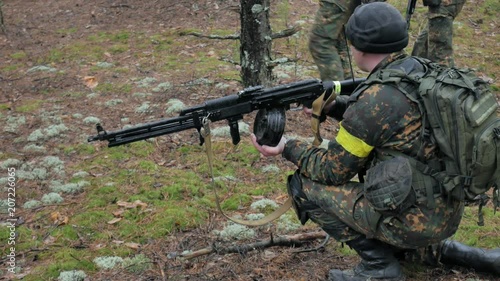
[(377, 263), (455, 253)]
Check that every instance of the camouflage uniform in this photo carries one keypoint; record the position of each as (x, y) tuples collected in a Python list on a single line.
[(435, 41), (327, 42), (379, 118)]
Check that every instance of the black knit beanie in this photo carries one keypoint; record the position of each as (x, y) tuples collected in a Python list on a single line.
[(377, 27)]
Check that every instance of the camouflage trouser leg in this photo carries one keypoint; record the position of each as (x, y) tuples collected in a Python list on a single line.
[(327, 42), (345, 215), (435, 42)]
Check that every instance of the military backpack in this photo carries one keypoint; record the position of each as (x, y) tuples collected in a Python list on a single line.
[(460, 114)]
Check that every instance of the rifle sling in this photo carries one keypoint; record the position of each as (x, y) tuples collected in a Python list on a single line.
[(205, 132), (317, 110)]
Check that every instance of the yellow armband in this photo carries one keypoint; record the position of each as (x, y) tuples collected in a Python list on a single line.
[(352, 144)]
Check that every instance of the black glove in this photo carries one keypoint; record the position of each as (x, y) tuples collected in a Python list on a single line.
[(338, 108)]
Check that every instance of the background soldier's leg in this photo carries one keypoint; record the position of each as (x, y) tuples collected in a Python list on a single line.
[(421, 43), (325, 40), (441, 31)]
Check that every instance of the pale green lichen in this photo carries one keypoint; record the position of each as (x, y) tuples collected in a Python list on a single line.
[(254, 217), (263, 204), (36, 135), (222, 86), (41, 68), (55, 130), (80, 174), (72, 275), (271, 169), (103, 64), (72, 188), (162, 87), (174, 106), (141, 95), (39, 173), (53, 163), (235, 231), (11, 162), (143, 108), (13, 123), (91, 120), (138, 264), (77, 116), (226, 178), (146, 82), (224, 131), (32, 204), (108, 262), (25, 175), (113, 102), (4, 206), (34, 148), (287, 223), (52, 198), (47, 133)]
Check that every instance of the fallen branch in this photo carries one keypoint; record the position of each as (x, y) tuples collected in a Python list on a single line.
[(287, 240), (283, 33), (227, 37), (286, 32)]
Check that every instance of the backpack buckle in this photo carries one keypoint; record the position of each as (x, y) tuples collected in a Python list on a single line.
[(496, 131), (467, 181)]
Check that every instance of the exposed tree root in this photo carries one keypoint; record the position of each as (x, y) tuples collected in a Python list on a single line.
[(287, 240)]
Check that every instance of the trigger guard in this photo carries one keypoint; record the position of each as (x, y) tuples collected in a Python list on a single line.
[(269, 126)]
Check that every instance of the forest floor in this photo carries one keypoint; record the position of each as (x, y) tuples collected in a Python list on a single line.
[(68, 62)]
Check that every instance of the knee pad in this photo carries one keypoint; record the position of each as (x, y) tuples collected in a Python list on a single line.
[(299, 199)]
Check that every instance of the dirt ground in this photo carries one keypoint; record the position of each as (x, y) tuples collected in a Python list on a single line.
[(34, 27)]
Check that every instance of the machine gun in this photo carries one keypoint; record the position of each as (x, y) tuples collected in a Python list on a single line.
[(269, 123)]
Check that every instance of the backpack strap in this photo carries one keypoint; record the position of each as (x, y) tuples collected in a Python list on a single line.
[(496, 184)]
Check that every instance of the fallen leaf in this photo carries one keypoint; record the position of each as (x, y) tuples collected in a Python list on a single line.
[(90, 81), (58, 219), (49, 240), (132, 245), (131, 205), (115, 220), (118, 213)]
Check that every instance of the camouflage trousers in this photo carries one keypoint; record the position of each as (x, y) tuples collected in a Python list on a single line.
[(344, 213), (327, 43), (435, 41)]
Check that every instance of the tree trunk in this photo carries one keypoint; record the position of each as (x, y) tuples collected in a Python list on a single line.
[(255, 44)]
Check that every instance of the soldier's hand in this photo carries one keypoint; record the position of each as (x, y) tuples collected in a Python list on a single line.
[(269, 150)]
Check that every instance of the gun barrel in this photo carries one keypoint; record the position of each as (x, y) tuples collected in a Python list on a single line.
[(145, 131)]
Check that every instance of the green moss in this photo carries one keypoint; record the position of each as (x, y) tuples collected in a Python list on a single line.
[(18, 55), (470, 233), (121, 36), (84, 149), (118, 48), (65, 232), (67, 31), (236, 201), (11, 68), (92, 218), (174, 218)]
